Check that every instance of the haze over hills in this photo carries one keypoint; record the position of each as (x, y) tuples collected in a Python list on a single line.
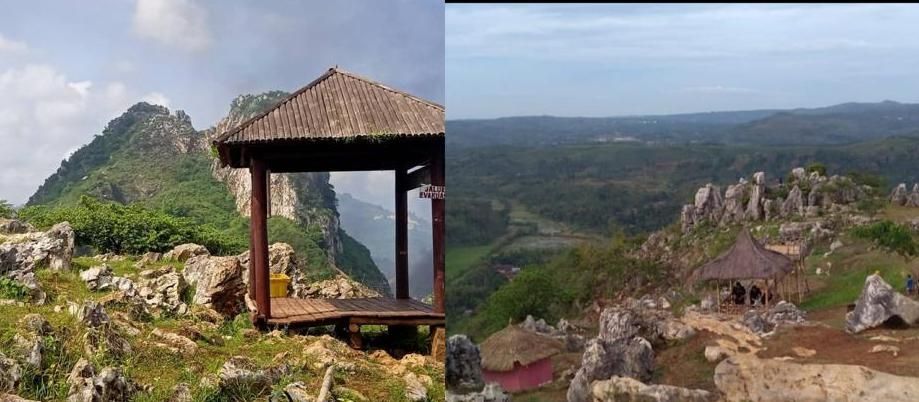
[(837, 124), (374, 226)]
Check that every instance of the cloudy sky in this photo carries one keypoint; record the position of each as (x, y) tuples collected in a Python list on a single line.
[(68, 67), (608, 60)]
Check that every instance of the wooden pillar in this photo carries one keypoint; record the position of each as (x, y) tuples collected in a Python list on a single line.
[(258, 225), (438, 226), (402, 234)]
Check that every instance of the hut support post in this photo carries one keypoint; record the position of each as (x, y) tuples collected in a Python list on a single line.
[(401, 234), (258, 254), (438, 227)]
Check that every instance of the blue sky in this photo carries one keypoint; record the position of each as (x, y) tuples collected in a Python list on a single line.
[(624, 59), (80, 64)]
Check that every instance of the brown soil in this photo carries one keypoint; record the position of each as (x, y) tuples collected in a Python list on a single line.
[(684, 364), (835, 346)]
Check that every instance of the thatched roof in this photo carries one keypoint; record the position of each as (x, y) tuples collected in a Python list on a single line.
[(516, 345), (746, 259)]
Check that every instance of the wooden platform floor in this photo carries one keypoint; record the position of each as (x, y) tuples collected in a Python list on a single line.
[(377, 310)]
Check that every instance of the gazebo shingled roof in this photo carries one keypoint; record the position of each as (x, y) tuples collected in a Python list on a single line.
[(746, 259), (516, 345), (341, 104)]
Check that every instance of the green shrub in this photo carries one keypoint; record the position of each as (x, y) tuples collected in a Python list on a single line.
[(6, 210), (892, 236), (10, 289), (817, 167), (133, 229)]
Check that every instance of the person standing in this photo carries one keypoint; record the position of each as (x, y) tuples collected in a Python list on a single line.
[(910, 284)]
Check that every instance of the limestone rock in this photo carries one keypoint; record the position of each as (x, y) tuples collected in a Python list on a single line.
[(416, 386), (181, 393), (297, 392), (14, 398), (36, 324), (282, 259), (218, 283), (183, 252), (463, 365), (10, 373), (602, 359), (14, 226), (109, 384), (803, 352), (20, 258), (798, 174), (877, 303), (491, 393), (147, 259), (764, 321), (97, 278), (162, 289), (899, 195), (747, 378), (623, 389), (886, 348), (755, 205), (340, 287), (182, 344), (240, 373), (90, 313), (733, 203), (913, 199), (715, 353), (793, 204)]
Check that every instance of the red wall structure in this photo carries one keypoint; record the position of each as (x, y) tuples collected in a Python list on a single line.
[(522, 378)]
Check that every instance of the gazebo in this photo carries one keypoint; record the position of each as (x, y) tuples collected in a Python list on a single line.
[(747, 259), (518, 359), (344, 122)]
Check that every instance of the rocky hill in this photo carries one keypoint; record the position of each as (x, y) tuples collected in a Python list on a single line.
[(155, 158)]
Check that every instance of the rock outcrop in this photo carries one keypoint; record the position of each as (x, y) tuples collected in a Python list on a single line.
[(23, 253), (463, 365), (282, 259), (109, 384), (877, 304), (218, 283), (765, 321), (748, 378), (626, 357), (624, 389), (183, 252)]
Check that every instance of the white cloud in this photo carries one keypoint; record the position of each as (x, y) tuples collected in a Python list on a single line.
[(156, 98), (44, 116), (9, 45), (178, 23)]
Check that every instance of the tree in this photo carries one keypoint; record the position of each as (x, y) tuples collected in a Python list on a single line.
[(6, 210), (817, 167)]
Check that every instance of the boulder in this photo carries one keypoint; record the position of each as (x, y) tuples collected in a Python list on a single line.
[(733, 203), (686, 217), (183, 252), (793, 204), (416, 386), (97, 278), (798, 174), (764, 321), (218, 283), (10, 373), (52, 249), (463, 365), (602, 359), (758, 190), (624, 389), (715, 353), (176, 342), (36, 324), (162, 289), (14, 398), (913, 199), (769, 209), (109, 384), (340, 287), (240, 373), (708, 204), (899, 195), (147, 259), (14, 226), (90, 313), (297, 392), (181, 393), (282, 259), (878, 303), (748, 378), (656, 326), (491, 393)]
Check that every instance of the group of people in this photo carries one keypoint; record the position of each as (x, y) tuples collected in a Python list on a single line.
[(757, 296)]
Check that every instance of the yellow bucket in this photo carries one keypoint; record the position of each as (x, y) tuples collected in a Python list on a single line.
[(279, 284)]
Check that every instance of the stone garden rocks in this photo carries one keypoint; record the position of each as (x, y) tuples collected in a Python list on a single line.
[(218, 283), (183, 252), (629, 389), (878, 303)]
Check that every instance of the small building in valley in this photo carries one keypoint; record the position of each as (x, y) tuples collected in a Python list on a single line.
[(518, 359)]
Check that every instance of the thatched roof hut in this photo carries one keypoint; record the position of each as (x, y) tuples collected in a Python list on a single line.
[(746, 259), (514, 345)]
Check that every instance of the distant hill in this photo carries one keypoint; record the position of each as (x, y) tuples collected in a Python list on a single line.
[(838, 124), (374, 226)]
